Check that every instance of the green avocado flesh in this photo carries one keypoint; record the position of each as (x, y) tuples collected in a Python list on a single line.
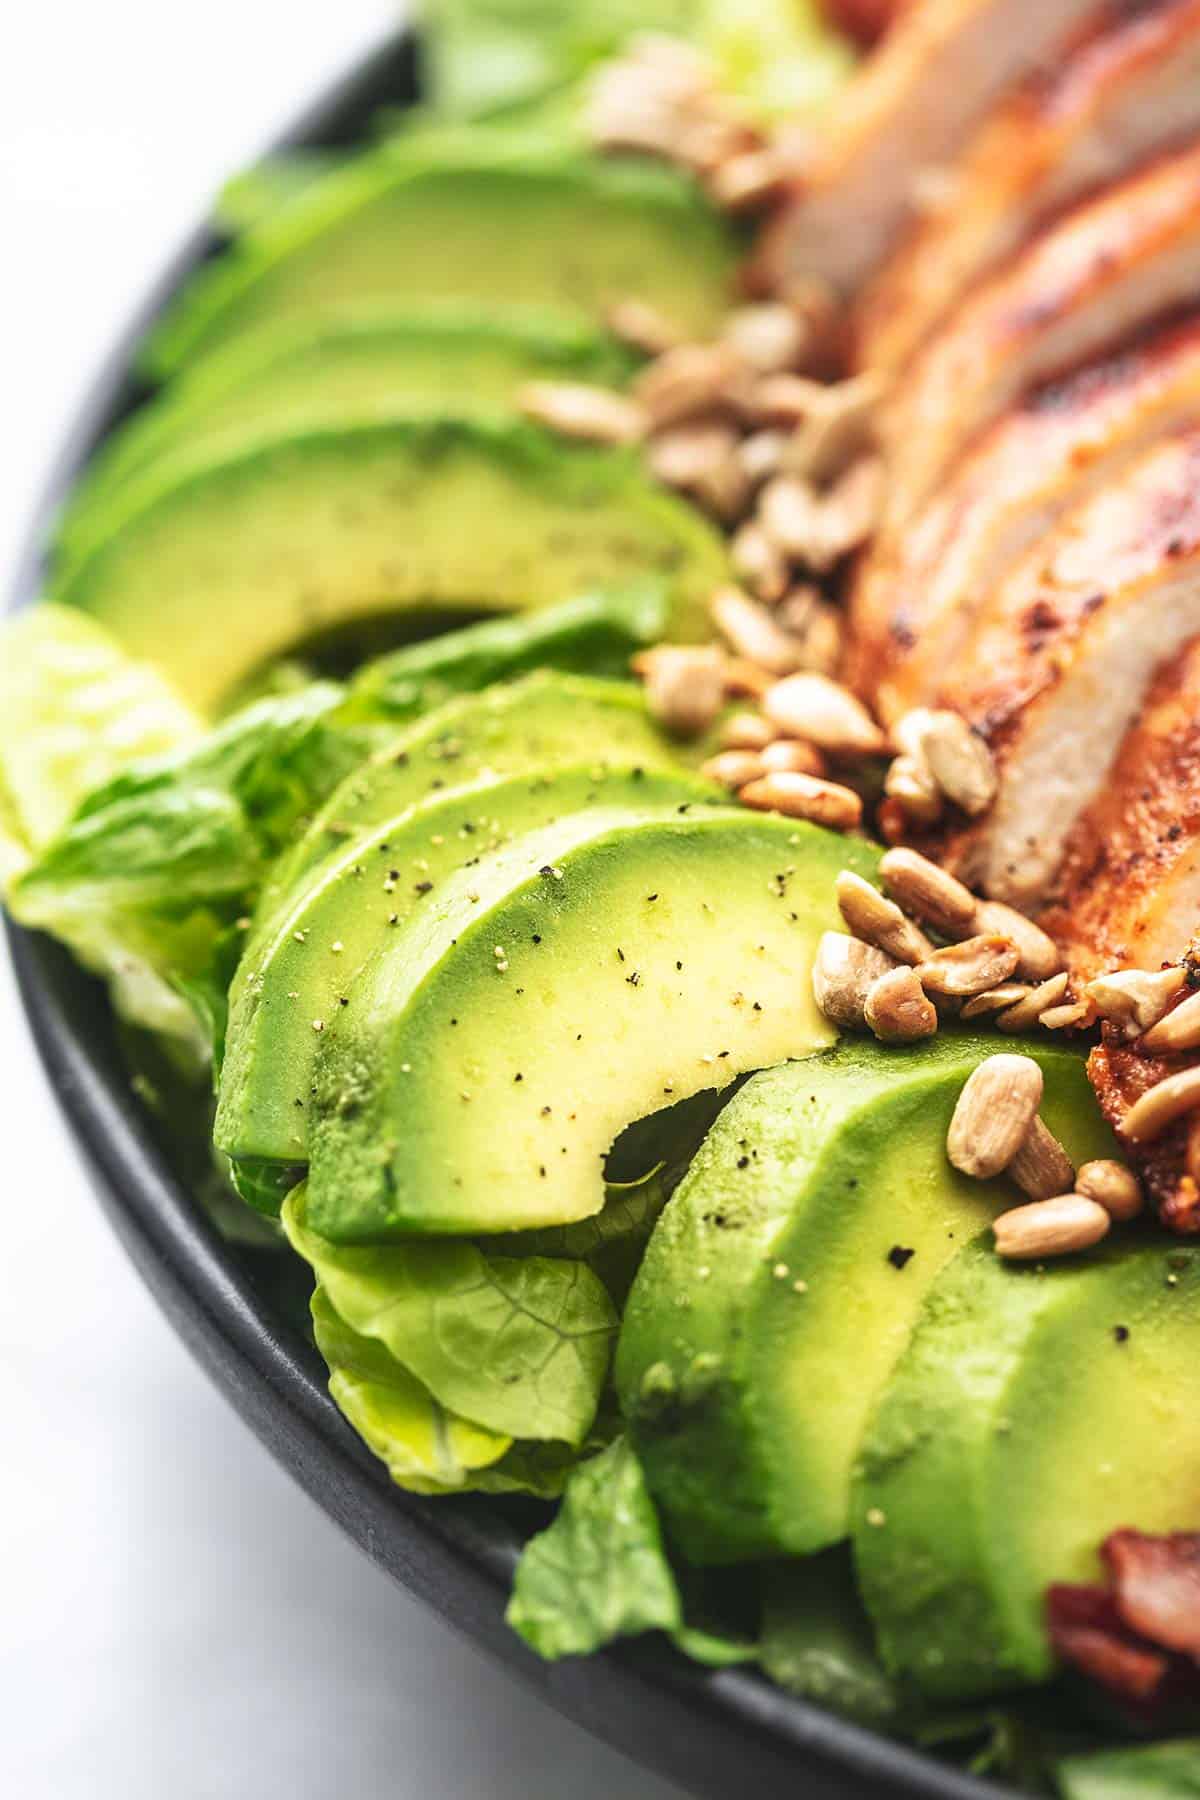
[(747, 1398), (1036, 1409), (219, 566), (535, 723), (344, 365), (291, 986), (466, 216), (579, 979)]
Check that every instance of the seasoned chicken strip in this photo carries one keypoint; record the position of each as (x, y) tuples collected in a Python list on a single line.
[(1128, 90), (1060, 665), (1101, 273), (906, 113), (1128, 893), (913, 609)]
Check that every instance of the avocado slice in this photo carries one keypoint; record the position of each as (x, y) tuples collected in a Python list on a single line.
[(1036, 1409), (339, 365), (463, 215), (293, 983), (217, 565), (580, 978), (535, 722), (816, 1215)]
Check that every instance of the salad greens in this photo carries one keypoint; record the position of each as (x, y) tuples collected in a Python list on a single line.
[(490, 57), (1169, 1771), (520, 1345), (74, 712), (600, 1571)]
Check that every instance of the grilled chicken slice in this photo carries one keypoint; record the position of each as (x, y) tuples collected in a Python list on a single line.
[(1100, 274), (912, 609), (1128, 893), (1170, 1165), (1128, 90), (1063, 658), (906, 113)]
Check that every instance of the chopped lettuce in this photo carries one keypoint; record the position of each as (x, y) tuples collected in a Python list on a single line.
[(519, 1345), (74, 712), (147, 882), (427, 1449), (1169, 1771), (493, 56), (600, 1571), (594, 634)]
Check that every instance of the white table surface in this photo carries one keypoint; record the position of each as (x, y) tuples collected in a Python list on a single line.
[(177, 1621)]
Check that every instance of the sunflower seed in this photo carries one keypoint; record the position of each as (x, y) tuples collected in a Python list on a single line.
[(1050, 1227), (993, 1115)]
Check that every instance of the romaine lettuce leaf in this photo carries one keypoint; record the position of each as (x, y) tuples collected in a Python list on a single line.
[(489, 57), (520, 1346), (595, 634), (74, 711), (427, 1449), (146, 883), (599, 1572)]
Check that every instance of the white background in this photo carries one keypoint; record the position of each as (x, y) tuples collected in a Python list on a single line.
[(177, 1622)]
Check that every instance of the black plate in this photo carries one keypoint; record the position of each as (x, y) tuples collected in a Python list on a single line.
[(716, 1734)]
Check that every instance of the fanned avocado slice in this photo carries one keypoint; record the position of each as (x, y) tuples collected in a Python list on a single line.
[(1037, 1408), (295, 979), (218, 565), (579, 979), (466, 215), (536, 723), (346, 363), (816, 1215)]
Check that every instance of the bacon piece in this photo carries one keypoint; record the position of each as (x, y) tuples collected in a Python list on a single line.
[(1087, 1631), (1156, 1586)]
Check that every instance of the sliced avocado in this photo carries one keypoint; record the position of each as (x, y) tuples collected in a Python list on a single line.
[(816, 1215), (293, 984), (578, 979), (466, 215), (1036, 1409), (340, 365), (536, 722), (222, 564)]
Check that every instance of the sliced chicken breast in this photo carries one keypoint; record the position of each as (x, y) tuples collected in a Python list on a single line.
[(912, 609), (1128, 893), (1129, 89), (1059, 668), (1088, 282), (907, 112), (1170, 1165)]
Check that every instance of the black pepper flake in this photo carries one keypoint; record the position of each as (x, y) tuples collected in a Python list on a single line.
[(518, 1077), (900, 1256), (546, 869), (679, 965), (393, 918), (651, 897), (685, 808), (393, 875), (422, 887), (342, 1000), (620, 954), (537, 937), (468, 829), (743, 1162), (542, 1170), (1121, 1333)]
